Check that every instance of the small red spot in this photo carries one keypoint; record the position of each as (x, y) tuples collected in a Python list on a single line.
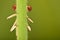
[(14, 7), (29, 8)]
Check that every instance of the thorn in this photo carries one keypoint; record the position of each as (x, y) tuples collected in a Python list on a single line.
[(11, 16), (29, 28)]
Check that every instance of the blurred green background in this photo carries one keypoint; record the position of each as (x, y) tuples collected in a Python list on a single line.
[(45, 14)]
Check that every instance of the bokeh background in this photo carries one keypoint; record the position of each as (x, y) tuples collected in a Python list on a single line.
[(45, 14)]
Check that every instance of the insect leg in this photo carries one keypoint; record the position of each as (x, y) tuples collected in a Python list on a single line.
[(29, 19), (13, 27), (29, 28), (11, 16)]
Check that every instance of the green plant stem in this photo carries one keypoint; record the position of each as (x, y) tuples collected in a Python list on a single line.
[(21, 19)]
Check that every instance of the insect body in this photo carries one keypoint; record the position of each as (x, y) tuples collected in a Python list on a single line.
[(29, 8)]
